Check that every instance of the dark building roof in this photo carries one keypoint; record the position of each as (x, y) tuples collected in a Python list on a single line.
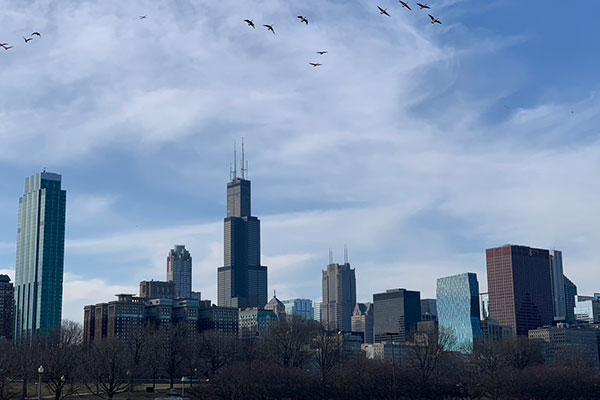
[(4, 278)]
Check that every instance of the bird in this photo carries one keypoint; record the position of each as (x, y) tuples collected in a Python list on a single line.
[(250, 23), (322, 52), (405, 4), (142, 17), (26, 39), (383, 11), (423, 6), (303, 19), (434, 20), (270, 28), (315, 64), (5, 47), (36, 34)]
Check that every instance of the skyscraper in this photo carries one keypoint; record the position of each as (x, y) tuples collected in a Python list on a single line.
[(570, 293), (241, 281), (40, 255), (7, 307), (397, 311), (179, 271), (458, 308), (339, 297), (558, 285), (362, 321), (519, 287)]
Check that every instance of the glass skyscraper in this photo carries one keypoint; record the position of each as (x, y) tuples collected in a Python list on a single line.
[(40, 256), (458, 308), (179, 271)]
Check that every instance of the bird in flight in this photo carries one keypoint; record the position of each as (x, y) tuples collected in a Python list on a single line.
[(322, 52), (250, 23), (5, 46), (404, 4), (315, 64), (26, 39), (423, 6), (434, 20), (270, 28), (383, 11), (142, 17), (36, 34), (303, 19)]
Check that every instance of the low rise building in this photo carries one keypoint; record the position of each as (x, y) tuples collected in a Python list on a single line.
[(218, 319), (562, 340), (255, 322), (7, 307)]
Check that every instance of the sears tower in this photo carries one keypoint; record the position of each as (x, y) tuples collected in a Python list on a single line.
[(241, 281)]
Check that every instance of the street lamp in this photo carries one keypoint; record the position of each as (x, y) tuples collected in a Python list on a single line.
[(391, 335), (40, 373), (62, 383), (128, 373), (183, 386)]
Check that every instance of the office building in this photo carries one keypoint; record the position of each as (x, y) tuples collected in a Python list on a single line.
[(40, 256), (428, 310), (277, 307), (300, 308), (519, 287), (587, 309), (218, 319), (562, 340), (339, 297), (7, 307), (491, 330), (362, 320), (179, 271), (121, 319), (458, 309), (557, 279), (484, 309), (255, 322), (396, 311), (157, 290), (242, 280), (570, 294), (317, 308)]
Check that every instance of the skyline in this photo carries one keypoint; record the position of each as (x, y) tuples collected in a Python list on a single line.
[(419, 163)]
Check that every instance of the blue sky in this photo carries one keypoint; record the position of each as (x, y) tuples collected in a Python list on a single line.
[(416, 145)]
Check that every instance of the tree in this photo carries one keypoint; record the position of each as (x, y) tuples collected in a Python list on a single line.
[(288, 341), (173, 349), (6, 389), (106, 365), (327, 353), (216, 350)]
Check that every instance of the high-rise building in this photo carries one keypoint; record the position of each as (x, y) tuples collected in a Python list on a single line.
[(428, 310), (179, 271), (218, 319), (7, 307), (299, 307), (570, 294), (587, 309), (519, 287), (557, 280), (157, 290), (40, 256), (339, 297), (396, 314), (362, 320), (242, 280), (458, 308), (317, 307), (484, 308)]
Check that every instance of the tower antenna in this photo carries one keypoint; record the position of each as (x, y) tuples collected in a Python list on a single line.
[(330, 256), (230, 172), (234, 160), (345, 254), (243, 161)]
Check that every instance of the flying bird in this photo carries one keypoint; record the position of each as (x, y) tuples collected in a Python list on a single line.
[(423, 6), (36, 34), (434, 20), (303, 19), (322, 52), (26, 39), (315, 64), (142, 17), (250, 23), (270, 28), (405, 4), (383, 11), (5, 47)]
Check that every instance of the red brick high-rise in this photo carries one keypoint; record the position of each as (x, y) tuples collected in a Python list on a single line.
[(519, 287)]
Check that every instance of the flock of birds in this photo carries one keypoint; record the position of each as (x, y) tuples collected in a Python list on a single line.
[(434, 20), (6, 46)]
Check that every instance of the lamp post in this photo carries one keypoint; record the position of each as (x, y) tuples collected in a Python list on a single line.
[(62, 384), (183, 386), (40, 373), (128, 373), (391, 335)]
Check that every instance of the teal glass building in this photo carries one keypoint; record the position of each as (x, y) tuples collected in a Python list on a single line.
[(40, 256), (458, 308)]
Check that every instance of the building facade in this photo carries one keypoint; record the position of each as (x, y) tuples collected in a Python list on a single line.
[(428, 310), (339, 297), (484, 309), (300, 308), (7, 307), (317, 308), (218, 319), (255, 322), (397, 311), (570, 295), (519, 287), (242, 280), (491, 330), (587, 309), (458, 308), (40, 256), (557, 279), (179, 271), (362, 320), (277, 307), (157, 290), (563, 340)]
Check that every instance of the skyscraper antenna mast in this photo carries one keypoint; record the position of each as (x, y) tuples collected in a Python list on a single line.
[(345, 254), (243, 161), (330, 256), (234, 160)]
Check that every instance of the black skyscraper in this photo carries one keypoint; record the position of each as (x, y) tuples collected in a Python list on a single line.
[(242, 281)]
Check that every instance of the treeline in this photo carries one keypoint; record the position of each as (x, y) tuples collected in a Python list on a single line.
[(296, 360)]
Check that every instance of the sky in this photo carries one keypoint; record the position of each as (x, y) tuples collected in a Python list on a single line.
[(416, 145)]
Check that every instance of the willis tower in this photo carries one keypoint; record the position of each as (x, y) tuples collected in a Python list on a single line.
[(241, 281)]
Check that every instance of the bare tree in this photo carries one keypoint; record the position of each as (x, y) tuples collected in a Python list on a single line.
[(427, 350), (521, 352), (106, 365), (288, 341), (173, 348), (6, 389), (327, 353), (216, 350)]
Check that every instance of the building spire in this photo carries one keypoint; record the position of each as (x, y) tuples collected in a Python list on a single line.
[(345, 254), (234, 159), (330, 256), (243, 161)]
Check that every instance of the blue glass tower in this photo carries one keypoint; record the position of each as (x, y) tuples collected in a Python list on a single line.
[(40, 256), (458, 308)]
